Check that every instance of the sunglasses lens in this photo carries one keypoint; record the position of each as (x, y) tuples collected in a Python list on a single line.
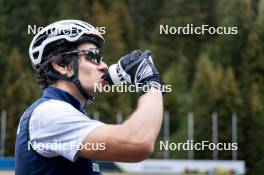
[(94, 55)]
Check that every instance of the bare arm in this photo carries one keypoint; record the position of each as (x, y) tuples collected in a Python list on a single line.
[(132, 140)]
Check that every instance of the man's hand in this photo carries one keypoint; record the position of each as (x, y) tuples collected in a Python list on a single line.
[(145, 121), (136, 68)]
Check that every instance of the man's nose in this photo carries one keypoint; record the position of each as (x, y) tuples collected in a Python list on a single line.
[(102, 66)]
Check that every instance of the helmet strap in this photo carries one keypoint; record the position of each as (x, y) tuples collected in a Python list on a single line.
[(73, 79)]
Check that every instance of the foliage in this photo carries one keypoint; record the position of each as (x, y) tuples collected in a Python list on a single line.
[(207, 73)]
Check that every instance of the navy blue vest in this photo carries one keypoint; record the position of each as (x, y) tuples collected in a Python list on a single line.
[(29, 162)]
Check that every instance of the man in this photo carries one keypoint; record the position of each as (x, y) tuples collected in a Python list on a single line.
[(54, 132)]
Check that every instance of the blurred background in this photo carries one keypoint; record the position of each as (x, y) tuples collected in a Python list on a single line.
[(217, 80)]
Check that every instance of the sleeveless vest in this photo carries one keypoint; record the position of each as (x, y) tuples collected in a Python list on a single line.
[(29, 162)]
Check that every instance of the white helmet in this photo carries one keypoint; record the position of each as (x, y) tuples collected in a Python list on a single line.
[(62, 31), (58, 34)]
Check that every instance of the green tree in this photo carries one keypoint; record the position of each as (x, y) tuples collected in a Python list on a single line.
[(226, 49), (145, 16), (3, 37), (19, 90), (204, 90), (252, 70), (113, 16), (168, 48), (214, 90)]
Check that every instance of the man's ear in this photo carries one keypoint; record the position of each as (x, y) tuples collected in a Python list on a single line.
[(62, 70)]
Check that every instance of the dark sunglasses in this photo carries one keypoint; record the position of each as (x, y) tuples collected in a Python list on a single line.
[(94, 55)]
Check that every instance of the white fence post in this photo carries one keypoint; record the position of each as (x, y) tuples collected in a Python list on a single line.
[(96, 115), (215, 134), (119, 117), (166, 132), (190, 133), (234, 134), (3, 132)]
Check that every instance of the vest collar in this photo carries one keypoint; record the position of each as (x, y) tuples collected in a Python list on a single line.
[(59, 94)]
